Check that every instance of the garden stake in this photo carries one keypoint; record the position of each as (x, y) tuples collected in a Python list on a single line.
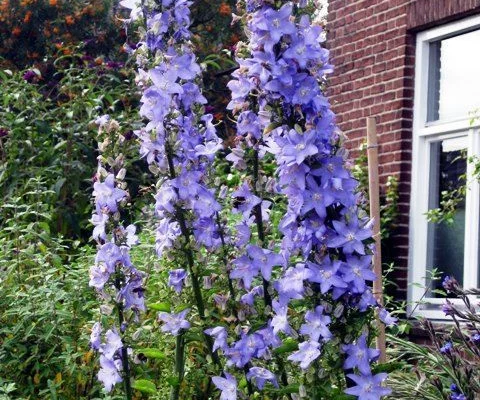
[(374, 197)]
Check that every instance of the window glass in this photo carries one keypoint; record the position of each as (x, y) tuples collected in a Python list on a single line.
[(454, 77), (445, 245)]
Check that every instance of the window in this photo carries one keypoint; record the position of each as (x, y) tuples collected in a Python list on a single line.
[(447, 97)]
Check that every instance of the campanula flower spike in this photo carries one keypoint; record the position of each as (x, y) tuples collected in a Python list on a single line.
[(281, 109), (113, 274)]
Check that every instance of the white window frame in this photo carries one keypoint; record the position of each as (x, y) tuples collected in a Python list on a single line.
[(424, 133)]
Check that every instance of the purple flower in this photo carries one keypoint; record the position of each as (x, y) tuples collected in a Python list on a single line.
[(280, 319), (176, 279), (291, 285), (95, 336), (109, 372), (476, 338), (350, 236), (102, 120), (316, 325), (305, 91), (107, 195), (99, 221), (174, 323), (450, 284), (132, 293), (165, 81), (3, 132), (185, 66), (261, 376), (249, 297), (264, 260), (227, 385), (245, 269), (246, 200), (221, 300), (317, 198), (220, 335), (307, 353), (369, 387), (386, 318), (276, 23), (448, 308), (112, 345), (356, 271), (326, 274), (446, 348), (29, 76), (270, 338), (299, 147), (167, 233), (359, 355), (106, 261)]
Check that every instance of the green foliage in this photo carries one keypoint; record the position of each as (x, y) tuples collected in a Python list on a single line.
[(44, 349), (50, 136)]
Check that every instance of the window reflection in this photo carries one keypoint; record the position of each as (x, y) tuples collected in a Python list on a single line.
[(454, 87), (445, 249)]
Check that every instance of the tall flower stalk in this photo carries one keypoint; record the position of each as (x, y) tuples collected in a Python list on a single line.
[(277, 96), (179, 142), (113, 275)]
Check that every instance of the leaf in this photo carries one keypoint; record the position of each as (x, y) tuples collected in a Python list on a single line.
[(173, 381), (152, 353), (166, 307), (293, 388), (60, 144), (287, 346), (53, 390), (388, 367), (58, 185), (271, 127), (145, 386)]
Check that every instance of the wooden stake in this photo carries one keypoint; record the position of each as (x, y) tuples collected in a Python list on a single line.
[(374, 195)]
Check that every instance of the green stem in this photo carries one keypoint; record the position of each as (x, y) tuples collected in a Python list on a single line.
[(231, 289), (125, 363), (179, 366), (179, 212), (259, 221)]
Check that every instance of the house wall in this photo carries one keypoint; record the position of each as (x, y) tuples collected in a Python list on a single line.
[(372, 44)]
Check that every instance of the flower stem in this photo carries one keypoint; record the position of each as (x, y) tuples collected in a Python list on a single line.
[(258, 219), (125, 363), (179, 212), (179, 366), (231, 289)]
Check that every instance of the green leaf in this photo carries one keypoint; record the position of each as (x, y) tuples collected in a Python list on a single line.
[(173, 381), (152, 353), (293, 388), (60, 144), (166, 307), (287, 346), (58, 185), (388, 367), (145, 386)]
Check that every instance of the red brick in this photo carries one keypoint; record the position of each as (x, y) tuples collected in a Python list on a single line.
[(373, 53)]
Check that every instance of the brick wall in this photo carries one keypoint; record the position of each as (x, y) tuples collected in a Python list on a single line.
[(373, 58), (372, 45), (423, 14)]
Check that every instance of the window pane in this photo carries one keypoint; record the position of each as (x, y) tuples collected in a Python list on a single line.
[(454, 77), (445, 243)]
